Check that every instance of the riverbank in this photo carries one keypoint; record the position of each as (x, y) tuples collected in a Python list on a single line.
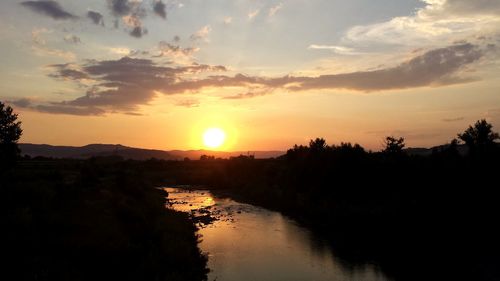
[(93, 220)]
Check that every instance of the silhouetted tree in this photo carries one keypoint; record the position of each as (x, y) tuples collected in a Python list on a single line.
[(207, 157), (394, 145), (10, 132), (319, 144), (480, 137)]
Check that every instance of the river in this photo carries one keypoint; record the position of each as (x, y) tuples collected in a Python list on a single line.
[(246, 242)]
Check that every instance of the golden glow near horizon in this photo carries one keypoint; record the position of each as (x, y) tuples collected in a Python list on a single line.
[(214, 138)]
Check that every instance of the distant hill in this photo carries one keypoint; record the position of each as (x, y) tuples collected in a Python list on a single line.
[(93, 150), (462, 149)]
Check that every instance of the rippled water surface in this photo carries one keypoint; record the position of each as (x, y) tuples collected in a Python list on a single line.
[(246, 242)]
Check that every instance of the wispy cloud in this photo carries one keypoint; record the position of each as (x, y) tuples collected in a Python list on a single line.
[(336, 49), (455, 119), (253, 14), (189, 103), (273, 10), (40, 48), (72, 39), (166, 49), (228, 20), (202, 33)]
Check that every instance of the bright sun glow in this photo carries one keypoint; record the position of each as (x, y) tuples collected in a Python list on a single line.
[(214, 137)]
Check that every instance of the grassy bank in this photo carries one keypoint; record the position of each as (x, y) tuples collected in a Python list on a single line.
[(92, 220)]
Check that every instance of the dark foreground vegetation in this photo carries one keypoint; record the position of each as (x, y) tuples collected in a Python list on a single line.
[(417, 217), (92, 220), (99, 219)]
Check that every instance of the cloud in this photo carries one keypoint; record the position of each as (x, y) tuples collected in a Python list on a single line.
[(228, 20), (70, 110), (123, 85), (433, 68), (96, 17), (202, 33), (461, 7), (249, 94), (119, 85), (54, 108), (169, 50), (49, 8), (456, 119), (189, 103), (138, 31), (40, 48), (134, 22), (22, 103), (437, 67), (120, 7), (160, 9), (67, 71), (336, 49), (253, 14), (438, 22), (273, 10), (72, 39), (131, 14)]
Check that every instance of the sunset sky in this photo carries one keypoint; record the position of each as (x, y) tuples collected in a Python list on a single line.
[(156, 74)]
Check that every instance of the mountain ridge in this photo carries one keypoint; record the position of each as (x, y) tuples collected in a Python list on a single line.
[(95, 150)]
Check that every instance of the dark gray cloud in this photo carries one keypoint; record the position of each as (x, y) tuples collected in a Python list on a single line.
[(66, 72), (49, 8), (56, 108), (138, 31), (70, 110), (436, 67), (160, 9), (96, 17), (120, 7), (433, 68), (122, 85)]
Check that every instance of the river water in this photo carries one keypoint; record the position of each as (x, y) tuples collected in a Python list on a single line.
[(249, 243)]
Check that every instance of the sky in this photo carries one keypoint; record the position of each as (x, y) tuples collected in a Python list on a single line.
[(270, 73)]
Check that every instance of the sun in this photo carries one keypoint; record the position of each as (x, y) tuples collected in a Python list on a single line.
[(214, 137)]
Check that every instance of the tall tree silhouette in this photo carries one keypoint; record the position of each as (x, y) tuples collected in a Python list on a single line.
[(394, 145), (10, 132), (479, 138)]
